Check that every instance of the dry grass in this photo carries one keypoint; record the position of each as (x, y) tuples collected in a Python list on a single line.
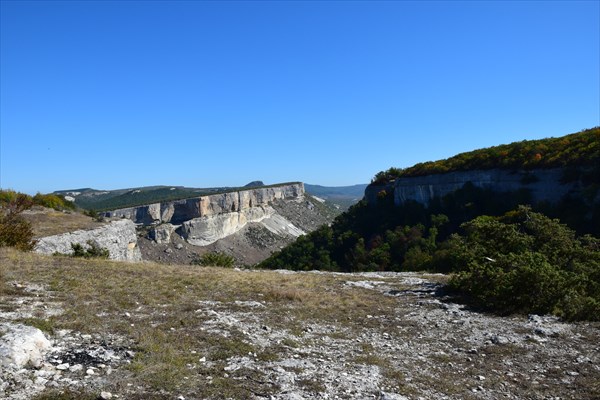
[(161, 302), (165, 312), (47, 222)]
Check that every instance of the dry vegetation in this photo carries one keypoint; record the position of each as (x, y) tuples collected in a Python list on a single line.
[(47, 222), (211, 333)]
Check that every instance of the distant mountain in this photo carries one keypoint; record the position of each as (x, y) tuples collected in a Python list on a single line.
[(343, 196), (255, 184)]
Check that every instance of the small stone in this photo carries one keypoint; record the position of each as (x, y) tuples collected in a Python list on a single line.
[(497, 339), (168, 250), (39, 381), (89, 371), (179, 246), (202, 360), (63, 367), (481, 378), (76, 368), (106, 395)]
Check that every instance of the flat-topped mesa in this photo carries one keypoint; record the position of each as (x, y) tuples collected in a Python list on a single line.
[(179, 211)]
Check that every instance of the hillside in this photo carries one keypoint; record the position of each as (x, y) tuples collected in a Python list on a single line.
[(151, 331), (459, 221), (577, 149)]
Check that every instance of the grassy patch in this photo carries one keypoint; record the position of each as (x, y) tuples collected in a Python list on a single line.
[(45, 325), (66, 394)]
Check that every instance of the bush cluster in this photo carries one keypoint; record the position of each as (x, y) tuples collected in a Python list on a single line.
[(577, 149), (519, 262), (216, 259), (92, 251), (53, 201), (526, 262)]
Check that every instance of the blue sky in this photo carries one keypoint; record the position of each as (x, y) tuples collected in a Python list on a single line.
[(114, 94)]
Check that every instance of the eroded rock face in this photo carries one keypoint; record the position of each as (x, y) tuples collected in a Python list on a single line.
[(542, 184), (178, 211), (22, 345), (119, 237), (206, 230)]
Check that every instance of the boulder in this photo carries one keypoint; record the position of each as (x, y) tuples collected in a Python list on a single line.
[(21, 345), (162, 233)]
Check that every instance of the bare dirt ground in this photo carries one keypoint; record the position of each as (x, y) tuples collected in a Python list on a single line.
[(178, 332)]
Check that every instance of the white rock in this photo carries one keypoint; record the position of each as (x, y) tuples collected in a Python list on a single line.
[(106, 395), (76, 368), (21, 345), (391, 396), (118, 237), (162, 233)]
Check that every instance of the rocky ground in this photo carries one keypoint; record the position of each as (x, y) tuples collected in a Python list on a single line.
[(392, 336)]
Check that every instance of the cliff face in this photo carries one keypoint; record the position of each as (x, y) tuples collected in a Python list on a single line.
[(542, 184), (204, 220), (179, 211), (118, 237)]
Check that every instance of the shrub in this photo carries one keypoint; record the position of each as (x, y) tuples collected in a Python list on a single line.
[(526, 262), (216, 259), (92, 251), (15, 231), (14, 202)]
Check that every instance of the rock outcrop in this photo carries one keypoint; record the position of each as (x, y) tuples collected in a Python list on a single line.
[(542, 184), (179, 211), (118, 237)]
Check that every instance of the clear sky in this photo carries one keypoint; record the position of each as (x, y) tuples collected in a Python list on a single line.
[(115, 94)]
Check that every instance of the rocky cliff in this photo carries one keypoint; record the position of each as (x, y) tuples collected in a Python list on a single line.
[(118, 237), (248, 224), (542, 184), (179, 211), (206, 230)]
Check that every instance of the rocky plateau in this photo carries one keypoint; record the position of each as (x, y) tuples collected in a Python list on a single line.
[(427, 347)]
